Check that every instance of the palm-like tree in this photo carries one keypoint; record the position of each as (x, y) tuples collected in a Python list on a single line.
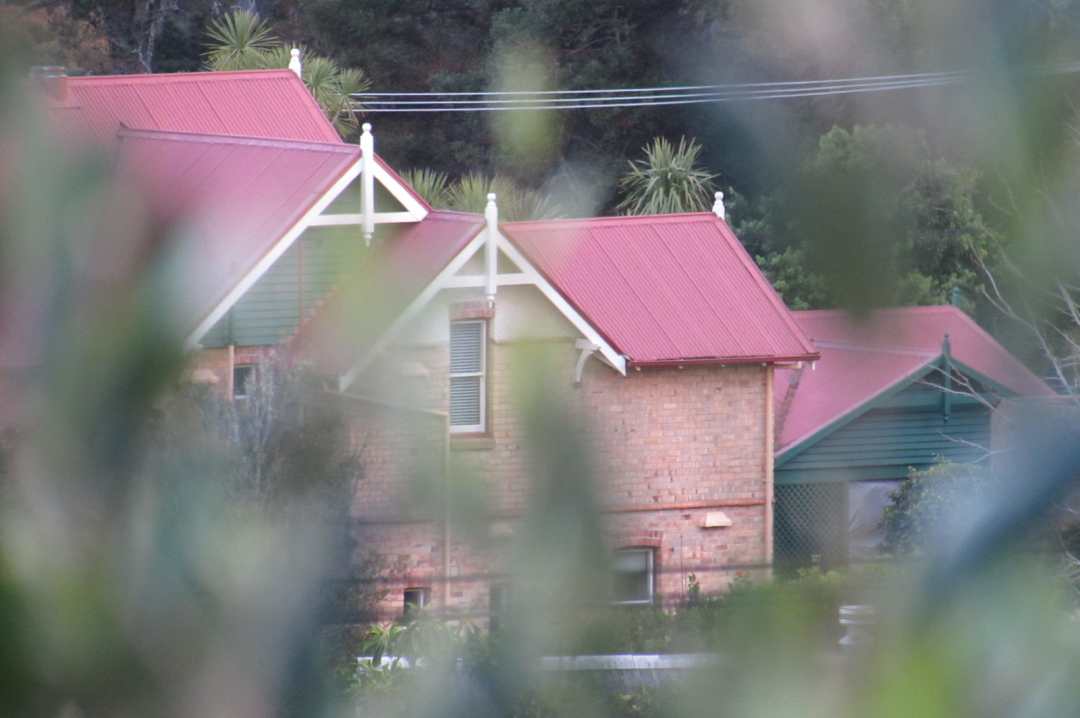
[(667, 180), (469, 194), (430, 184), (242, 40)]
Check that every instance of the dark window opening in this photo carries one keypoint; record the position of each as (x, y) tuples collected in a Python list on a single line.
[(633, 580), (243, 378), (416, 599)]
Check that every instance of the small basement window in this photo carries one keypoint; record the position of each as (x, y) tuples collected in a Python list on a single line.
[(416, 599), (633, 582), (468, 366), (243, 380)]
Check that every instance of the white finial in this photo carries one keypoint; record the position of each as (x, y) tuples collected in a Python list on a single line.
[(718, 206), (294, 62), (491, 253), (367, 180)]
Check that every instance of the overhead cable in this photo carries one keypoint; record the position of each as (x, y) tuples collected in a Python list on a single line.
[(616, 98)]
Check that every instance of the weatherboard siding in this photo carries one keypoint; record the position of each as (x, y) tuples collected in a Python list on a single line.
[(884, 443), (271, 310)]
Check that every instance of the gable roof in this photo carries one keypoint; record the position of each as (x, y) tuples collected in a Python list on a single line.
[(862, 359), (666, 289), (236, 196), (271, 104), (260, 103), (404, 262)]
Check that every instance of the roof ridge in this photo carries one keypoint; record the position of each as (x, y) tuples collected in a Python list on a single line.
[(456, 214), (916, 309), (888, 348), (628, 218), (180, 136), (180, 76)]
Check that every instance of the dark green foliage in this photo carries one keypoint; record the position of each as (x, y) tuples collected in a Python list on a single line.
[(797, 611), (923, 506), (875, 218), (801, 288)]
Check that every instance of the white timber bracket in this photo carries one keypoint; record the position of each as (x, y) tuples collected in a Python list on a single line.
[(587, 349), (491, 249)]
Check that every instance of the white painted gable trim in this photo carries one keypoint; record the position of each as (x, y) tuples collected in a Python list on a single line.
[(615, 359), (415, 307), (268, 259), (449, 279), (399, 192), (314, 217)]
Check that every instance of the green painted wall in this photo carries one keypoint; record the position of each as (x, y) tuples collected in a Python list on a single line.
[(909, 429), (272, 309)]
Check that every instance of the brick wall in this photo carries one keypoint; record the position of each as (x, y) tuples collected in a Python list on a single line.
[(215, 366), (670, 447)]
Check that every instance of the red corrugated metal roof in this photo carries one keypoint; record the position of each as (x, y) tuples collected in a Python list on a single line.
[(271, 104), (862, 358), (665, 289), (235, 196), (262, 103), (406, 259)]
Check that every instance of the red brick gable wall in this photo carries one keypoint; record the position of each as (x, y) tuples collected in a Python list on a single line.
[(671, 447)]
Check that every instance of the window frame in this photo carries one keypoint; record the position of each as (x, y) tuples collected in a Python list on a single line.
[(650, 569), (252, 377), (482, 374), (411, 609)]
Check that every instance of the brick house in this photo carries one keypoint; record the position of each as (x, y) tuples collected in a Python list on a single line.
[(691, 379), (660, 333)]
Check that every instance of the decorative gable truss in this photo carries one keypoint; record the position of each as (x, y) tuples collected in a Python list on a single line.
[(494, 245), (368, 173)]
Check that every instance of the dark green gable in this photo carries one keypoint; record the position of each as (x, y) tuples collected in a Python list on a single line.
[(911, 427), (884, 443), (271, 310)]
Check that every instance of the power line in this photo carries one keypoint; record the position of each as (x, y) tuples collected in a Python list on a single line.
[(618, 98), (555, 101), (679, 88), (769, 95)]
